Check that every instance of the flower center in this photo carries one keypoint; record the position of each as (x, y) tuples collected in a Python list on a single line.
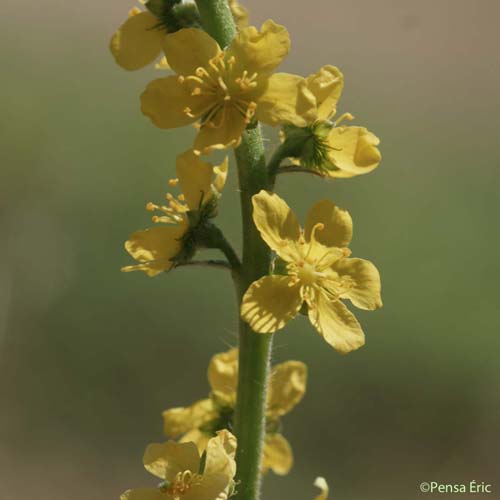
[(223, 89), (181, 484), (307, 273)]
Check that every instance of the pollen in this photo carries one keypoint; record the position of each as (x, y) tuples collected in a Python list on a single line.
[(219, 88), (182, 483)]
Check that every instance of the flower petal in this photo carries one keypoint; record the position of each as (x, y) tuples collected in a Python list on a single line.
[(336, 324), (178, 421), (165, 460), (154, 248), (228, 134), (223, 372), (284, 102), (240, 13), (143, 494), (321, 483), (287, 386), (260, 51), (165, 100), (354, 151), (195, 177), (199, 438), (208, 488), (337, 231), (277, 224), (365, 280), (277, 455), (220, 454), (220, 172), (188, 49), (270, 303), (326, 85), (137, 42)]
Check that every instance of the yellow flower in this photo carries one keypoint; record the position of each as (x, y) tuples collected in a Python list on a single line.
[(201, 185), (178, 466), (221, 91), (139, 40), (321, 483), (199, 421), (318, 273), (351, 150)]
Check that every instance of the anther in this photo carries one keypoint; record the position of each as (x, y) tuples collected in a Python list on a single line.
[(187, 110), (345, 116), (200, 72), (173, 182)]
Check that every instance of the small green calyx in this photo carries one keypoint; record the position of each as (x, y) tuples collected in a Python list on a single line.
[(278, 266), (164, 486), (173, 15), (309, 144), (201, 234)]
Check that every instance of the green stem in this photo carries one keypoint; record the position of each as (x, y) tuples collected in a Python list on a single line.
[(215, 263), (273, 167), (217, 20), (254, 349), (213, 237), (289, 169)]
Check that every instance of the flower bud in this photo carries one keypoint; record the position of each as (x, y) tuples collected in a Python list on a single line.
[(308, 144)]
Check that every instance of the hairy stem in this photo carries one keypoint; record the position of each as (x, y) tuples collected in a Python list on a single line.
[(254, 349), (217, 20)]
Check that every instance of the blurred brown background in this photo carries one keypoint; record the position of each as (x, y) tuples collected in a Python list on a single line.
[(89, 357)]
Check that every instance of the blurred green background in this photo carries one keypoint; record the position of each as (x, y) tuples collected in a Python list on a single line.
[(89, 357)]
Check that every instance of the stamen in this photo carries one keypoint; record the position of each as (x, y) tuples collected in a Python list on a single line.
[(345, 116), (222, 84), (317, 227), (215, 109), (201, 72), (173, 182), (213, 64), (221, 120), (188, 111)]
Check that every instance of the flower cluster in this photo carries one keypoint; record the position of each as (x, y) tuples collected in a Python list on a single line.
[(200, 421), (225, 91)]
